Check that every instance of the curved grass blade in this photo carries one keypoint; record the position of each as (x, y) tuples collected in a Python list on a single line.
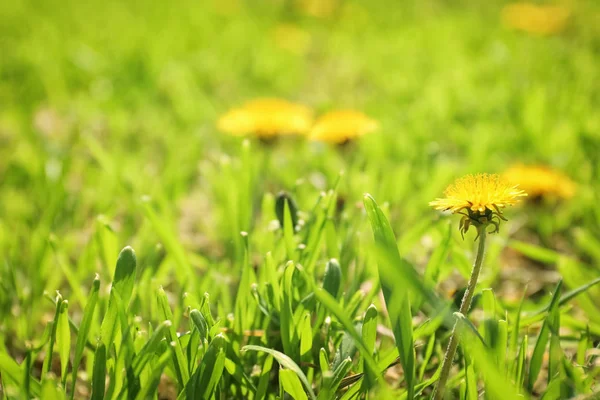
[(285, 362)]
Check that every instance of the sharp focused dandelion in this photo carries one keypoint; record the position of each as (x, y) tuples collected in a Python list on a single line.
[(479, 198)]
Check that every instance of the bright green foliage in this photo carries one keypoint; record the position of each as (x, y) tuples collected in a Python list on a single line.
[(262, 269)]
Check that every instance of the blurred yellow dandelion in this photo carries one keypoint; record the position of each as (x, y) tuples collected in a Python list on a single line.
[(482, 196), (541, 181), (291, 38), (227, 7), (536, 19), (342, 125), (318, 8), (267, 117)]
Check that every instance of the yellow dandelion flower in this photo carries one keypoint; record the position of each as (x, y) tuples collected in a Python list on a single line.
[(535, 19), (292, 38), (342, 125), (482, 196), (541, 181), (227, 7), (267, 117), (318, 8)]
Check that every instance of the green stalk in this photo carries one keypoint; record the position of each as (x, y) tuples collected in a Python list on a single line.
[(464, 308)]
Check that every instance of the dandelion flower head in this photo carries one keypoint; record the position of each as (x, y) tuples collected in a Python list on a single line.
[(292, 38), (535, 19), (267, 117), (478, 193), (318, 8), (342, 125), (482, 196)]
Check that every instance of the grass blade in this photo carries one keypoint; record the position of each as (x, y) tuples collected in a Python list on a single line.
[(396, 297), (48, 359), (291, 384), (434, 266), (537, 356), (125, 274), (285, 362), (369, 335), (63, 340), (10, 370), (99, 375), (202, 385), (330, 304), (148, 390), (122, 286), (179, 361), (84, 328), (263, 380), (199, 322), (151, 347)]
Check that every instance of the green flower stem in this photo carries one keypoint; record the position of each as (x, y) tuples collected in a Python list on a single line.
[(464, 308)]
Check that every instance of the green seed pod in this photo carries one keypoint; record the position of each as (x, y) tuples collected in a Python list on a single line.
[(333, 277), (282, 198)]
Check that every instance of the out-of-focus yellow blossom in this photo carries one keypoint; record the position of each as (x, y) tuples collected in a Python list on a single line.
[(342, 125), (318, 8), (267, 117), (291, 38), (536, 19), (227, 7), (541, 181)]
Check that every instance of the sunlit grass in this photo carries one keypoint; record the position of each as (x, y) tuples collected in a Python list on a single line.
[(260, 266)]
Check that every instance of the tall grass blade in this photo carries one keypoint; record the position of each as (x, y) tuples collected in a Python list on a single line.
[(99, 375), (537, 357), (63, 340), (84, 328), (396, 295), (179, 361)]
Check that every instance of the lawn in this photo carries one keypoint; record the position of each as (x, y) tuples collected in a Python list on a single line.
[(178, 220)]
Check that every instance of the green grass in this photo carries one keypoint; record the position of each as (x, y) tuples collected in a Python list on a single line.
[(108, 140)]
